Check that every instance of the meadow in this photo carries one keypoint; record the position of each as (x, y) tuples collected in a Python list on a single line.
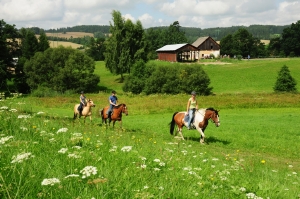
[(253, 154)]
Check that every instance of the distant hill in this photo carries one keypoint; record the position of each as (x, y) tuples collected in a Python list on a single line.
[(263, 32)]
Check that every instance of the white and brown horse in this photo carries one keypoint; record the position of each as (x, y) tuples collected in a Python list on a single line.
[(116, 114), (87, 110), (200, 121)]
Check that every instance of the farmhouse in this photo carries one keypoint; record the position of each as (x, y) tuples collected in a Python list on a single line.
[(178, 52), (206, 47)]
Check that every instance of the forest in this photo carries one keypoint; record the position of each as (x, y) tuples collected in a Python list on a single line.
[(264, 32)]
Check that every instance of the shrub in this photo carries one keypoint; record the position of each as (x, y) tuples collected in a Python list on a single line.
[(285, 82), (171, 79)]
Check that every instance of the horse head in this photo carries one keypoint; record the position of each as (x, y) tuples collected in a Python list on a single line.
[(214, 116), (90, 103), (124, 109)]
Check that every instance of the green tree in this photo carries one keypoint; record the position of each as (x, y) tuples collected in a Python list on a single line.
[(125, 46), (285, 82), (242, 43), (8, 50), (154, 41), (96, 49), (227, 45), (274, 46), (29, 46), (43, 42), (135, 82), (291, 39), (61, 69), (174, 35)]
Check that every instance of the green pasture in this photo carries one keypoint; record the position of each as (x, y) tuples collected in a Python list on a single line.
[(253, 154), (235, 76)]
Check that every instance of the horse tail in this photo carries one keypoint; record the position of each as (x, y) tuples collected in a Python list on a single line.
[(101, 112), (172, 124)]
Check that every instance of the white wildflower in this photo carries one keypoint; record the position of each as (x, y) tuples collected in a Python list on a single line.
[(88, 171), (52, 140), (13, 110), (161, 188), (143, 158), (24, 116), (187, 168), (4, 108), (156, 169), (50, 181), (5, 139), (146, 187), (162, 164), (192, 172), (62, 130), (242, 189), (76, 147), (21, 157), (126, 148), (40, 112), (156, 160), (113, 149), (143, 166), (77, 134), (63, 150), (23, 128), (72, 155), (72, 175)]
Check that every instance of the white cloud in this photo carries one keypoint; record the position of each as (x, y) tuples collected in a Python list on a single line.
[(190, 13)]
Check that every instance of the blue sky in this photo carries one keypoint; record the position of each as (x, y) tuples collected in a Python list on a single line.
[(190, 13)]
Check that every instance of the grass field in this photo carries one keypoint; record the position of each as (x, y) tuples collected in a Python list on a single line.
[(253, 154), (68, 35), (55, 44)]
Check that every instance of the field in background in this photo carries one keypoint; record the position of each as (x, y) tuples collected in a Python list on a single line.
[(68, 35), (55, 44)]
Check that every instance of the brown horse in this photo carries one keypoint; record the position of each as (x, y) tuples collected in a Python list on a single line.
[(116, 114), (87, 110), (200, 121)]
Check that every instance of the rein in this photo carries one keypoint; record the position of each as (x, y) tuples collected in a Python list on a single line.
[(204, 116)]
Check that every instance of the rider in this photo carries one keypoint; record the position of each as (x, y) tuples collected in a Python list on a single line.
[(82, 102), (192, 106), (113, 101)]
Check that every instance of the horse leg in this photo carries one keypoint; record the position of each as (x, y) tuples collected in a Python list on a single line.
[(202, 136), (180, 132)]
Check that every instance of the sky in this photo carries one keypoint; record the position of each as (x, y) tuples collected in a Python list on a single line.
[(52, 14)]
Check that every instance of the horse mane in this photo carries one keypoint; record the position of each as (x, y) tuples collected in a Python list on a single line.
[(212, 109), (120, 105)]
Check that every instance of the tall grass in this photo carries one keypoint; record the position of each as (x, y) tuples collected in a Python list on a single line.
[(249, 154)]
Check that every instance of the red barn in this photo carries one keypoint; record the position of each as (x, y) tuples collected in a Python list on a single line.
[(178, 52)]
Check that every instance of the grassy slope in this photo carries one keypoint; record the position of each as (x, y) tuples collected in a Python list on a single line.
[(254, 76)]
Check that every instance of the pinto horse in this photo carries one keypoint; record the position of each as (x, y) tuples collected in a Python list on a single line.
[(87, 110), (200, 121), (116, 114)]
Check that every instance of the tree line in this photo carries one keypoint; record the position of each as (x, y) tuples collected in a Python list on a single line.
[(263, 32)]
